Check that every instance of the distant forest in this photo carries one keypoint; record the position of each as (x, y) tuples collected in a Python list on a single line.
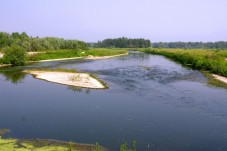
[(38, 44), (191, 45), (123, 43)]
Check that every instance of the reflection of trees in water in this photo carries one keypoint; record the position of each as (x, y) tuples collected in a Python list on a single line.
[(13, 75), (78, 89)]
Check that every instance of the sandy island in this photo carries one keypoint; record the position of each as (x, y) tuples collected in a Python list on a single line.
[(68, 78), (220, 78)]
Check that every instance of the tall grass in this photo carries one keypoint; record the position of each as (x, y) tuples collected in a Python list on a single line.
[(208, 60)]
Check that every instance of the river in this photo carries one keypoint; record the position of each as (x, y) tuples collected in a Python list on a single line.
[(160, 104)]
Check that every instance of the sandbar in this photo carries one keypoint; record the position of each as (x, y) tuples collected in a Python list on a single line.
[(103, 57), (67, 78)]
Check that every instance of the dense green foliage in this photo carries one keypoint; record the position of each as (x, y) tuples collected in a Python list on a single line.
[(123, 43), (124, 147), (14, 55), (209, 60), (191, 45), (38, 44)]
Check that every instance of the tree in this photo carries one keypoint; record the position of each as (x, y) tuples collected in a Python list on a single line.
[(124, 43), (15, 55)]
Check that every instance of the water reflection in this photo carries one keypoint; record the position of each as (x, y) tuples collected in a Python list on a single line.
[(78, 89), (14, 75)]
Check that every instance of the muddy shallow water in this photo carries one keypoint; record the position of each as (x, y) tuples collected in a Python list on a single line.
[(158, 103)]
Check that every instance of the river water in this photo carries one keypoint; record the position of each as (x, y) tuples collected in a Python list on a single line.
[(152, 100)]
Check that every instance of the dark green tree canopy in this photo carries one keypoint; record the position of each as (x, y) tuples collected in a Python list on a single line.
[(191, 45), (123, 43), (15, 55), (38, 44)]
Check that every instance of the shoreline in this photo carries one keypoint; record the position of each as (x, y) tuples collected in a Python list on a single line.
[(85, 57), (103, 57), (83, 80), (5, 65), (220, 78), (60, 59)]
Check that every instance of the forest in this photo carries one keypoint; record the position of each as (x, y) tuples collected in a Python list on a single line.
[(123, 43), (38, 44), (191, 45)]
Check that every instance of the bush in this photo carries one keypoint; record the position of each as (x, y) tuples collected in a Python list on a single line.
[(15, 55)]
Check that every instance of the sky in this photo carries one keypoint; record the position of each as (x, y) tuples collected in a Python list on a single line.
[(93, 20)]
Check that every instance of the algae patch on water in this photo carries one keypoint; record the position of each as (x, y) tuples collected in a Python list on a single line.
[(12, 144)]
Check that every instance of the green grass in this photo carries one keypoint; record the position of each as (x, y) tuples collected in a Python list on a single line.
[(45, 145), (208, 60), (12, 144), (59, 54), (1, 61)]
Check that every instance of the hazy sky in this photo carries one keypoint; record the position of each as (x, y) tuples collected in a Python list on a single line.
[(93, 20)]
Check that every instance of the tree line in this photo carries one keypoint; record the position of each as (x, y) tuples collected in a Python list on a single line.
[(191, 45), (38, 44), (123, 43)]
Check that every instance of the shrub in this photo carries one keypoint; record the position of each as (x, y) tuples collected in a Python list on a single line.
[(15, 55)]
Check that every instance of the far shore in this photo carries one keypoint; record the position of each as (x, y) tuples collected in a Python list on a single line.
[(61, 59), (104, 57), (86, 57), (68, 78)]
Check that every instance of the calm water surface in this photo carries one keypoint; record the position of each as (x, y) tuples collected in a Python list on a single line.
[(158, 103)]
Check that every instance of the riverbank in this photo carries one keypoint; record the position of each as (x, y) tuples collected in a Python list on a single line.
[(90, 57), (12, 144), (63, 55), (220, 78), (76, 54), (103, 57), (204, 60), (84, 80)]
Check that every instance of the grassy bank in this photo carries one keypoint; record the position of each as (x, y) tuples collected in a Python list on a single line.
[(12, 144), (59, 54), (209, 60), (45, 145)]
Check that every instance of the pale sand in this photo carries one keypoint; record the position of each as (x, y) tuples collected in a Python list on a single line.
[(225, 59), (5, 65), (104, 57), (1, 55), (33, 53), (62, 59), (88, 57), (220, 78), (67, 78)]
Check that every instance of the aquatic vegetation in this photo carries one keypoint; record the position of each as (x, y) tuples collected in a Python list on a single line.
[(44, 145), (124, 147)]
